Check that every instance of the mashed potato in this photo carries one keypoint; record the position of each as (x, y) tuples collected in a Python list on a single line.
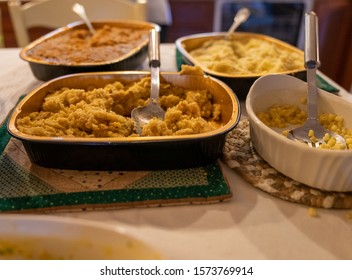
[(105, 112), (247, 56)]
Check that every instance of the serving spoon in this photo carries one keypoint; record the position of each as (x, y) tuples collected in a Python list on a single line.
[(240, 17), (143, 114), (311, 57), (81, 12)]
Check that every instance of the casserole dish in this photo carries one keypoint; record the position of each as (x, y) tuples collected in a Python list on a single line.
[(242, 81), (117, 45), (325, 169), (127, 153)]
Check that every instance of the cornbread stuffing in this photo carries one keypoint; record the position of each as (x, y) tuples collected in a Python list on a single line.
[(281, 116), (78, 46), (105, 112), (247, 56)]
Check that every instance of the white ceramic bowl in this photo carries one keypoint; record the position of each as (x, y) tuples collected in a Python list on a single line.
[(329, 170)]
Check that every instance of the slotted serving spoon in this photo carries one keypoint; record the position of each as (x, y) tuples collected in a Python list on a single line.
[(143, 114), (81, 12), (240, 17), (311, 57)]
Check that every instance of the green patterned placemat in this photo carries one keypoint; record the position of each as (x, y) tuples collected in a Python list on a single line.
[(27, 187)]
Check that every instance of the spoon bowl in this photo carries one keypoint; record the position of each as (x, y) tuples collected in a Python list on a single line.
[(314, 134), (143, 114)]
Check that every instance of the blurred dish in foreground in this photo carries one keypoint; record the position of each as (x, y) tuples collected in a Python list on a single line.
[(35, 237)]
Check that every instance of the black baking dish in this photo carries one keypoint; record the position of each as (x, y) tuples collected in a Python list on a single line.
[(127, 153), (45, 70)]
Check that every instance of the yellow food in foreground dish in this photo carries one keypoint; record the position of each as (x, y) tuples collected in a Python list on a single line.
[(105, 112), (247, 56), (281, 116), (27, 247)]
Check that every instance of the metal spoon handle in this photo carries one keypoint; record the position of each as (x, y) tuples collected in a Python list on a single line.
[(90, 26), (154, 63), (311, 57), (240, 17), (154, 48), (81, 12)]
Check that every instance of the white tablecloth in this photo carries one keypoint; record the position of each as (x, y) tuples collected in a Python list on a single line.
[(252, 225)]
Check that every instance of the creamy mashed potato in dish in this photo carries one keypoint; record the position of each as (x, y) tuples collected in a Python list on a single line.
[(243, 55), (105, 112)]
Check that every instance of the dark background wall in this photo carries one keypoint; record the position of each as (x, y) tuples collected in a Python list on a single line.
[(196, 16)]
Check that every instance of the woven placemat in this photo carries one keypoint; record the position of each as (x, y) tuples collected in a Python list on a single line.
[(27, 187), (240, 156)]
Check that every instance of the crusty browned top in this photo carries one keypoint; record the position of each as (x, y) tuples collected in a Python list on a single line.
[(78, 46)]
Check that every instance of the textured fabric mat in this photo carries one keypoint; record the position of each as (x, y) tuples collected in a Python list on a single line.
[(240, 156), (27, 187)]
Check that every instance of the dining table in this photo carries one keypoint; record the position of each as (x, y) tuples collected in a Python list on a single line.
[(252, 224)]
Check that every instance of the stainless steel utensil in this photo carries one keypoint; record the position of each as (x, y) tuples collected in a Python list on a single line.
[(312, 63), (81, 12), (144, 114), (240, 17)]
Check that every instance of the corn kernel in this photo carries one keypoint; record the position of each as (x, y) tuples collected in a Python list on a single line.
[(324, 146), (312, 212), (332, 142), (326, 137), (285, 132), (334, 127)]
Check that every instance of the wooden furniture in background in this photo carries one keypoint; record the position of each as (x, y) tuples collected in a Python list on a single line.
[(2, 44), (57, 13), (335, 22), (196, 16), (190, 17)]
